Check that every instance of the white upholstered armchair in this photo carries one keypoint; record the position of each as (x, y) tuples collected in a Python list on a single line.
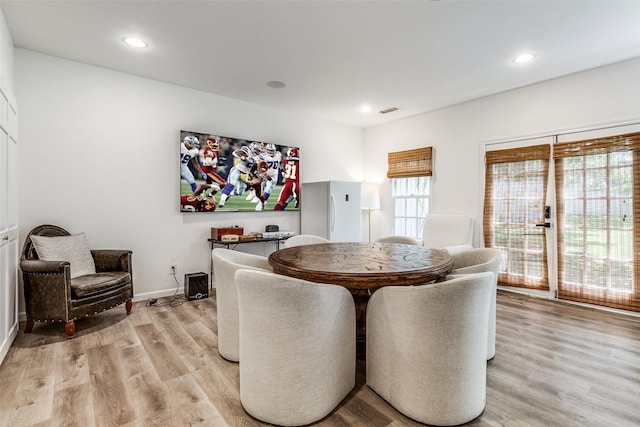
[(452, 232), (225, 264), (297, 347), (304, 239), (479, 260), (427, 346), (398, 239)]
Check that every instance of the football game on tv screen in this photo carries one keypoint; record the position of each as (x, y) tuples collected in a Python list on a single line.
[(224, 174)]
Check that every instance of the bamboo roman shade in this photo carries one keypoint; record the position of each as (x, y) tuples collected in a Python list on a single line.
[(410, 163), (619, 143), (598, 210), (537, 152)]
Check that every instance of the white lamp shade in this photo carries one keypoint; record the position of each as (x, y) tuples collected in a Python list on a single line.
[(370, 196)]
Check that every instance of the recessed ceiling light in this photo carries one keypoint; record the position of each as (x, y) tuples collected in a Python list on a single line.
[(275, 84), (526, 57), (135, 42), (365, 109)]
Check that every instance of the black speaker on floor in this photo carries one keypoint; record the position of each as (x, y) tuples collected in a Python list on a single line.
[(196, 286)]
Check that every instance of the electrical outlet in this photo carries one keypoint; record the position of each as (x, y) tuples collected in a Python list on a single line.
[(172, 269)]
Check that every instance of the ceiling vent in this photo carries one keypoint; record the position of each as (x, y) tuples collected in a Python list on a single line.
[(388, 110)]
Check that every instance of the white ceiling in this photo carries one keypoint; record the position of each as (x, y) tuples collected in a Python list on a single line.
[(335, 56)]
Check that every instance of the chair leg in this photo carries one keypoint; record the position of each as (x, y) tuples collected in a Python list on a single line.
[(70, 329), (129, 305), (28, 327)]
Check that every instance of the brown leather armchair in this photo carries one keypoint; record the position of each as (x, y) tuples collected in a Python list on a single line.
[(51, 295)]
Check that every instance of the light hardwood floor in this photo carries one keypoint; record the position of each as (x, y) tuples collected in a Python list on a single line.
[(556, 365)]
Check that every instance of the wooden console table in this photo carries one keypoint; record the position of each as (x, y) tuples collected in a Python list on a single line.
[(362, 268)]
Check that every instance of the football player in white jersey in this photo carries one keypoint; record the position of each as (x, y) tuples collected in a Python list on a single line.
[(256, 149), (274, 160), (242, 166), (189, 149)]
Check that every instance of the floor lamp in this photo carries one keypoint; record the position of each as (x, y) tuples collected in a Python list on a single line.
[(370, 200)]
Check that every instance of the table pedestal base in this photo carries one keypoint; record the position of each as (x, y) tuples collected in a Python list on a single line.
[(361, 299)]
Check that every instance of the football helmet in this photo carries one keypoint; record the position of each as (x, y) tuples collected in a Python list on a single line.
[(262, 166), (209, 204), (212, 143), (292, 153), (242, 152), (191, 141), (256, 148), (271, 149)]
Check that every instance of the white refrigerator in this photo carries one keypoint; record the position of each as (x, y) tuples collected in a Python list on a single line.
[(331, 209)]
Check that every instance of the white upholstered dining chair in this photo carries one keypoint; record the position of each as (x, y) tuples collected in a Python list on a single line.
[(398, 239), (297, 347), (303, 239), (225, 264), (479, 260), (427, 346), (452, 232)]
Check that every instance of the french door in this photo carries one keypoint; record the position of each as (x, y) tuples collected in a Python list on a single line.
[(565, 214), (598, 193), (516, 188)]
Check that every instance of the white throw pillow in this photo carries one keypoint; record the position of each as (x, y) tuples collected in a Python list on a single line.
[(66, 248)]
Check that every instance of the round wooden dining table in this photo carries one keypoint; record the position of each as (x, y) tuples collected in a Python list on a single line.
[(362, 268)]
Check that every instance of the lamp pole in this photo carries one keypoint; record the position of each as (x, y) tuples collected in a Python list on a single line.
[(369, 209), (370, 200)]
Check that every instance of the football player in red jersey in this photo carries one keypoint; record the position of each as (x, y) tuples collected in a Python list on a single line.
[(209, 161), (291, 187), (197, 201)]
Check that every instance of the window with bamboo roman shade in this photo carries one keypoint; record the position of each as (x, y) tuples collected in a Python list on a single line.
[(410, 163), (598, 210), (514, 200), (410, 173)]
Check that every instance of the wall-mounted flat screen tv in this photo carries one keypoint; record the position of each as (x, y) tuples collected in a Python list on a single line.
[(224, 174)]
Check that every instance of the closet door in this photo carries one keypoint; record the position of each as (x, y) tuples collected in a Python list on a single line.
[(8, 221)]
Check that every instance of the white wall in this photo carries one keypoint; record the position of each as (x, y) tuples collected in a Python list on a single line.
[(99, 154), (604, 95)]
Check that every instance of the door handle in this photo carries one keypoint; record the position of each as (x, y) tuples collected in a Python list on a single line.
[(544, 224)]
